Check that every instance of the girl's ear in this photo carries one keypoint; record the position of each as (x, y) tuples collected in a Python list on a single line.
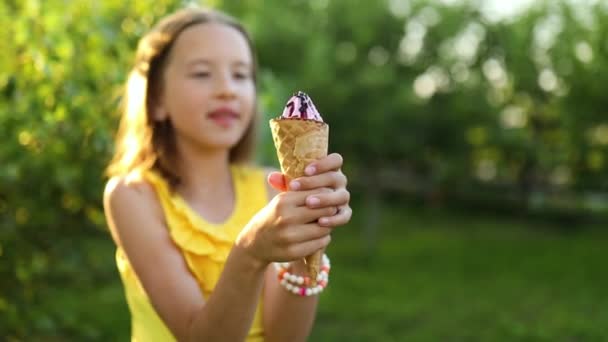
[(160, 113)]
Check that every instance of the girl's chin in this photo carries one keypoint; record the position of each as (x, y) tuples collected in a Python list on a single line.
[(217, 141), (224, 144)]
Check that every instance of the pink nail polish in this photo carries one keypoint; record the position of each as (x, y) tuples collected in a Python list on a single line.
[(310, 170), (294, 185), (313, 201)]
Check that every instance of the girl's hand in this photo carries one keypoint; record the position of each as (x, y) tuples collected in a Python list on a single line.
[(323, 173), (286, 229)]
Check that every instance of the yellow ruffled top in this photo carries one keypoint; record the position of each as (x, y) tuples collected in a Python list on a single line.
[(204, 245)]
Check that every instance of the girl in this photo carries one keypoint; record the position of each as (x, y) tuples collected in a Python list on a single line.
[(198, 232)]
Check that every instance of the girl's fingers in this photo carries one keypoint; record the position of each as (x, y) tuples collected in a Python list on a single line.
[(301, 250), (330, 179), (302, 233), (277, 181), (332, 162), (341, 218), (298, 198), (337, 198), (303, 215)]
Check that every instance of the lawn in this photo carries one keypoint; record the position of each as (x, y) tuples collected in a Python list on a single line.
[(438, 276), (432, 276)]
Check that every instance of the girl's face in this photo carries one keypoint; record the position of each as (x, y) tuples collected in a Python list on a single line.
[(208, 91)]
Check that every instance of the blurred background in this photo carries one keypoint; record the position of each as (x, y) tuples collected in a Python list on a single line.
[(475, 138)]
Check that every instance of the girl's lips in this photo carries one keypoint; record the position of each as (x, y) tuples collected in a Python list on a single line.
[(224, 117)]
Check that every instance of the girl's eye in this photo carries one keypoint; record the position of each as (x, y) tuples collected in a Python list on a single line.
[(241, 75), (201, 74)]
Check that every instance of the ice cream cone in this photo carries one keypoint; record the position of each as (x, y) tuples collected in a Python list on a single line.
[(298, 143)]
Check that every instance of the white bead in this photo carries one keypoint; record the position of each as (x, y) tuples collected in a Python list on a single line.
[(291, 281)]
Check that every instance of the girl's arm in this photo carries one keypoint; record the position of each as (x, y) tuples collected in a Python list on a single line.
[(137, 224), (280, 231), (288, 317)]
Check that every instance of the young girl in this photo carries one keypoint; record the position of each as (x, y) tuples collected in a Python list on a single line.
[(199, 233)]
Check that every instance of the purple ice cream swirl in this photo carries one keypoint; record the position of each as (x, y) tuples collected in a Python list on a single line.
[(300, 106)]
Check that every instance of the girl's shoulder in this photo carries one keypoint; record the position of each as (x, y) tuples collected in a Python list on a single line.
[(132, 184), (126, 198), (132, 191)]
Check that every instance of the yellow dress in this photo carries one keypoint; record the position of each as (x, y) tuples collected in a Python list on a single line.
[(205, 247)]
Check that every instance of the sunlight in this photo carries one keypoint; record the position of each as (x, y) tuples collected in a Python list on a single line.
[(425, 86), (547, 80), (499, 10), (495, 73), (583, 52), (399, 8), (513, 117)]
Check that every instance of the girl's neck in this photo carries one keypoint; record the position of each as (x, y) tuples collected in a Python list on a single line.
[(203, 173)]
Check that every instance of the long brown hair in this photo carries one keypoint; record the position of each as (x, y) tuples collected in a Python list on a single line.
[(143, 143)]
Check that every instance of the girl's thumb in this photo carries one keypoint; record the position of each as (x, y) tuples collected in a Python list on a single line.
[(277, 181)]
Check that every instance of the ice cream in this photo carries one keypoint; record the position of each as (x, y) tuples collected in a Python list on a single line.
[(300, 137), (300, 106)]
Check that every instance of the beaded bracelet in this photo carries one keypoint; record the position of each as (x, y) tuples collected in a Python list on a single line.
[(293, 283)]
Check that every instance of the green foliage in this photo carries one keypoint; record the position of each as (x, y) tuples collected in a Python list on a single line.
[(60, 89), (446, 96), (442, 96)]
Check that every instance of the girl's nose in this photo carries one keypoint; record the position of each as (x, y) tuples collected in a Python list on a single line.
[(225, 86)]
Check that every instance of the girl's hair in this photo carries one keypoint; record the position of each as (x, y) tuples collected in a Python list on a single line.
[(143, 143)]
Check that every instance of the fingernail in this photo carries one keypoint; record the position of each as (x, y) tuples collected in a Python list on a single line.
[(323, 221), (310, 170), (313, 201), (294, 185)]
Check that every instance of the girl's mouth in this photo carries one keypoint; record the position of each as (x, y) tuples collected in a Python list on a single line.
[(224, 117)]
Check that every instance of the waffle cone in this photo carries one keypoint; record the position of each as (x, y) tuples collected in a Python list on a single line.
[(298, 143)]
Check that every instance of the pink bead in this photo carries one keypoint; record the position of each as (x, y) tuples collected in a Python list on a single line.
[(303, 291)]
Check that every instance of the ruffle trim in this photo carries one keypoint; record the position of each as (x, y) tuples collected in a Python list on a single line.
[(190, 233), (206, 246)]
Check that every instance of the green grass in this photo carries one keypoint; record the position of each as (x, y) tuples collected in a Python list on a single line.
[(437, 276), (432, 276)]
